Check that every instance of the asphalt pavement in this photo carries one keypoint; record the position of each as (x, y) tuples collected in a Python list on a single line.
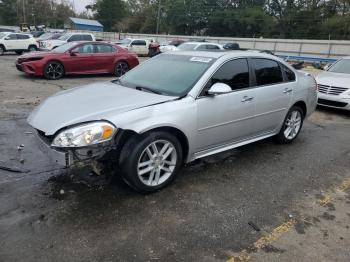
[(261, 202)]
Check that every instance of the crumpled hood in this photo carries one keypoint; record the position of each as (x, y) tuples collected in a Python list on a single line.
[(89, 103), (334, 79)]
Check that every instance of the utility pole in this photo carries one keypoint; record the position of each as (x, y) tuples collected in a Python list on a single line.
[(158, 17)]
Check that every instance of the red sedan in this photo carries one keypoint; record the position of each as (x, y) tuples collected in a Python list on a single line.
[(78, 58)]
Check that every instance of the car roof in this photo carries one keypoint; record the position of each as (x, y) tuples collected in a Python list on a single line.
[(200, 43), (222, 53)]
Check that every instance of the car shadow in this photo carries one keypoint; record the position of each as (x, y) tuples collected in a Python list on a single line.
[(339, 112)]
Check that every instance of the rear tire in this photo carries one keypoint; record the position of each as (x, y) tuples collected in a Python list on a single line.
[(53, 70), (291, 126), (151, 162), (121, 68)]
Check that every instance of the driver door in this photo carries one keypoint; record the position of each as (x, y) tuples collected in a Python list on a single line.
[(229, 117), (80, 60)]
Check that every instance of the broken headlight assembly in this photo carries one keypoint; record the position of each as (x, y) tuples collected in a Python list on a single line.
[(85, 135)]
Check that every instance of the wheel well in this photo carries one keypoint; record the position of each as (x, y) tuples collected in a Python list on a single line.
[(32, 45), (179, 135), (128, 134), (3, 46), (57, 61), (122, 60), (302, 105)]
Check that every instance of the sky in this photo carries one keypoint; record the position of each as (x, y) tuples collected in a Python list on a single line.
[(80, 4)]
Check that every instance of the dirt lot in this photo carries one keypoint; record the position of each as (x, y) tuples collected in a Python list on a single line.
[(262, 202)]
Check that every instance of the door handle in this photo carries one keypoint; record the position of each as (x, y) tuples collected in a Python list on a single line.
[(247, 99), (287, 90)]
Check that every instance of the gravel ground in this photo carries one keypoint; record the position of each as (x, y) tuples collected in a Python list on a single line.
[(261, 202)]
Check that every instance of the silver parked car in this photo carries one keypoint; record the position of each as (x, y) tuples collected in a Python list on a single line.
[(334, 85), (150, 121)]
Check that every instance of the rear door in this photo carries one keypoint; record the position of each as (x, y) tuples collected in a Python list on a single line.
[(229, 117), (273, 94), (22, 41), (104, 57), (81, 60)]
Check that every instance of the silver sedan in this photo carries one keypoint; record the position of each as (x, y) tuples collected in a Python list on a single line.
[(173, 109)]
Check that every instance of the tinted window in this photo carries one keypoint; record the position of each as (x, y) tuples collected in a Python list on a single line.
[(86, 37), (234, 73), (267, 72), (289, 73), (22, 36), (139, 42), (84, 49), (211, 47), (12, 37), (104, 49)]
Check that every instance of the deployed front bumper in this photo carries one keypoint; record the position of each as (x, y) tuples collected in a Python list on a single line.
[(60, 157)]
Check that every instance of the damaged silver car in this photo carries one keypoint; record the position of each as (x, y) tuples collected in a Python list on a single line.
[(173, 109)]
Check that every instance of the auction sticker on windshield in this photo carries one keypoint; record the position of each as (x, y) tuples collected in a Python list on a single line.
[(200, 59)]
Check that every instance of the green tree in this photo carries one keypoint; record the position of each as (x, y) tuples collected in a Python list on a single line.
[(8, 12), (109, 13)]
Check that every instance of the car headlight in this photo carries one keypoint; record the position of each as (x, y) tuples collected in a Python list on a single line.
[(85, 135)]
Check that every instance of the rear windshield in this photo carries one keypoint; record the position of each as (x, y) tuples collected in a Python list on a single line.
[(172, 75), (187, 47)]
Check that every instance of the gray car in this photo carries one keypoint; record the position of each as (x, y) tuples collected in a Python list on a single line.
[(149, 122)]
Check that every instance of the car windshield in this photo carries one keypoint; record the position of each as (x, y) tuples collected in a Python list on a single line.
[(167, 74), (342, 66), (64, 48), (64, 37), (2, 35), (187, 47), (125, 41), (45, 36)]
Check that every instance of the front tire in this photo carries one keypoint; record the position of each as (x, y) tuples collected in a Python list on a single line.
[(121, 68), (53, 70), (19, 52), (291, 126), (151, 162), (2, 50)]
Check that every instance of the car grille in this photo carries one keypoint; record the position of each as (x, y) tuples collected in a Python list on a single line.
[(331, 103), (331, 90)]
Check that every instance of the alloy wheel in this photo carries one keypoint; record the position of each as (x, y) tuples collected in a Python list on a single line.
[(292, 124), (121, 69), (32, 49), (55, 70), (157, 163)]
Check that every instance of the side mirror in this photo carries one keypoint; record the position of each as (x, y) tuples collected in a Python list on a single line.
[(73, 53), (7, 38), (219, 89)]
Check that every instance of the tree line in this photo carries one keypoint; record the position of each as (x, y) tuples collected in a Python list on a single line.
[(307, 19)]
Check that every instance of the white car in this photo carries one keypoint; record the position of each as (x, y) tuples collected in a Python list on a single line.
[(334, 85), (138, 46), (65, 38), (198, 46), (16, 42)]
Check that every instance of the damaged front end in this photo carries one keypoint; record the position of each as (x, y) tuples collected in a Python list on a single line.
[(80, 146)]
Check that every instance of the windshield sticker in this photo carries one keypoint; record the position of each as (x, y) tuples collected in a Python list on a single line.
[(200, 59)]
